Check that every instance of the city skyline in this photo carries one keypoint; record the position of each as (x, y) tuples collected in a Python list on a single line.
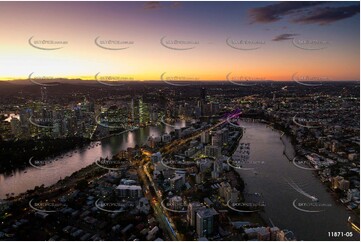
[(180, 121)]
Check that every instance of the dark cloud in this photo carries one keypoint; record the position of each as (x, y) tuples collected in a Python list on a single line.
[(275, 12), (284, 37), (328, 15), (176, 5), (152, 5), (159, 5)]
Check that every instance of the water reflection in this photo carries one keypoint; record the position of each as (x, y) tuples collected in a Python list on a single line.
[(271, 178), (21, 181)]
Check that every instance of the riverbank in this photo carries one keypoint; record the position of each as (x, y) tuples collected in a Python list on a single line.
[(48, 172), (62, 186), (115, 134), (15, 155), (330, 194), (254, 218)]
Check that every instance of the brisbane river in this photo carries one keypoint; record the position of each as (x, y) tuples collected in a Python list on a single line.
[(287, 190), (72, 161), (289, 193)]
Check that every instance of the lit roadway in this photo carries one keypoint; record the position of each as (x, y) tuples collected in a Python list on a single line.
[(154, 201), (160, 213)]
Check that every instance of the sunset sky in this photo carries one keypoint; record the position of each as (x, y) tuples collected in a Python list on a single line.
[(275, 27)]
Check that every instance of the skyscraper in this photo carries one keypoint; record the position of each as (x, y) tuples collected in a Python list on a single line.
[(205, 137), (44, 94), (206, 222), (193, 207), (132, 111), (203, 94)]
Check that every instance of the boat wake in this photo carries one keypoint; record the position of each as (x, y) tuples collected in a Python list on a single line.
[(299, 190)]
